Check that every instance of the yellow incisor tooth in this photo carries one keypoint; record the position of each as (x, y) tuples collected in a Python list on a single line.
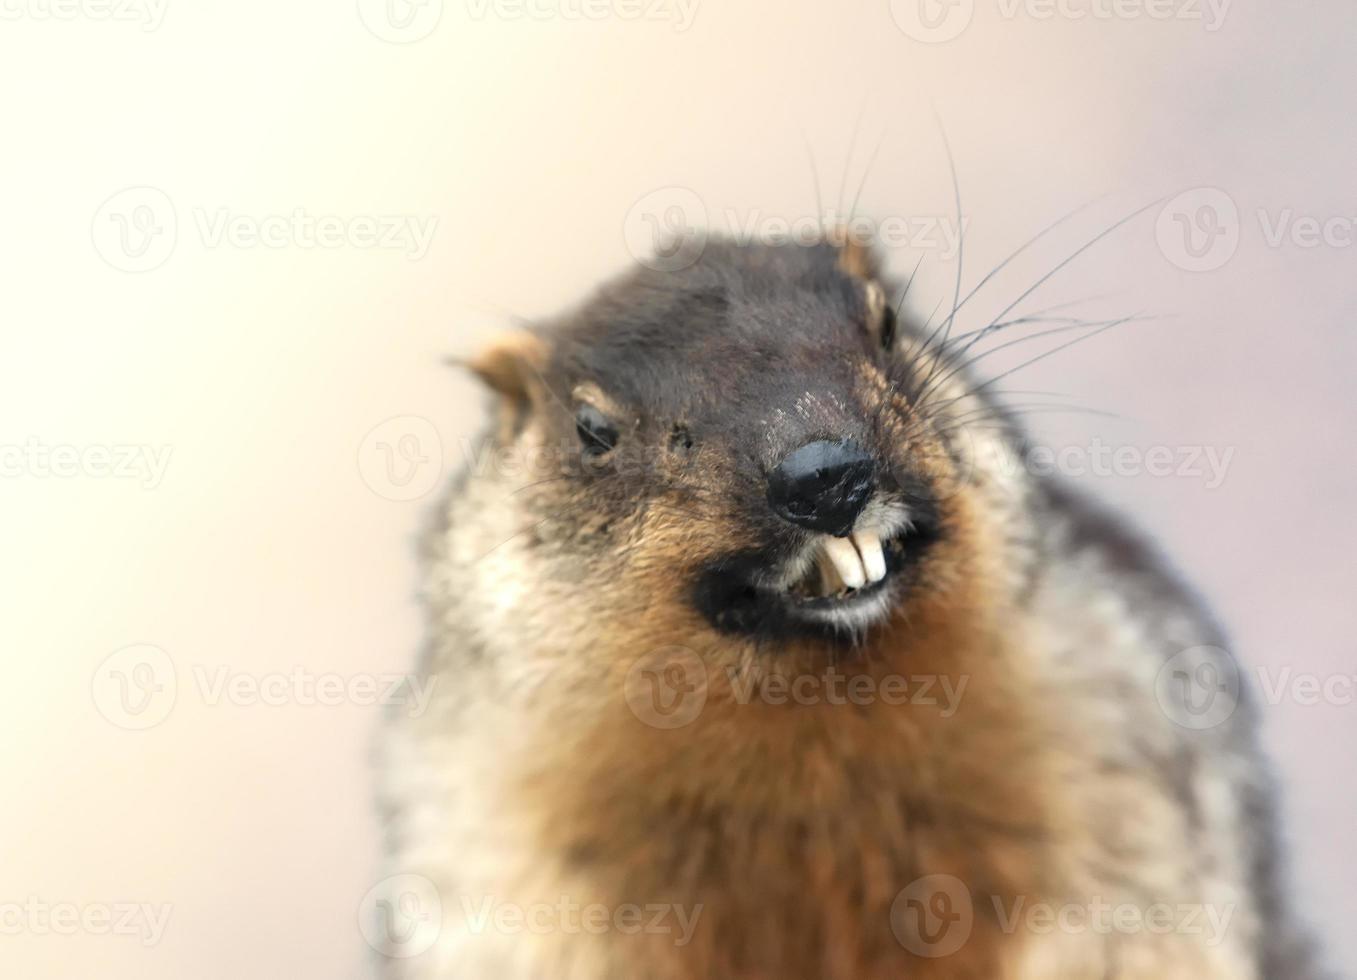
[(830, 580), (868, 544), (846, 561)]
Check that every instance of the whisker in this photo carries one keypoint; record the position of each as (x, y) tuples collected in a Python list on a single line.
[(961, 224), (1030, 337), (958, 365), (1041, 357), (1066, 261), (930, 318), (1002, 422), (538, 483), (862, 185), (1024, 247), (1020, 321), (1050, 309), (814, 173), (1002, 411), (946, 325), (848, 158), (1031, 391), (531, 527), (900, 305)]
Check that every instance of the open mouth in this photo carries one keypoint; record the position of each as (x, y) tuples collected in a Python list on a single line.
[(831, 587), (845, 584)]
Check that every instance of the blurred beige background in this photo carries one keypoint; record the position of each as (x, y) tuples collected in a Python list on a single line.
[(196, 376)]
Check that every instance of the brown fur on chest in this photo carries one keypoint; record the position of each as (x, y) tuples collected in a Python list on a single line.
[(795, 821)]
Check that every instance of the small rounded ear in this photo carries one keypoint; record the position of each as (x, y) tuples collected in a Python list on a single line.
[(512, 365), (858, 259), (879, 314)]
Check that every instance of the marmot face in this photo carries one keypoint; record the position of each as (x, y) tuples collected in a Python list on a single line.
[(751, 446)]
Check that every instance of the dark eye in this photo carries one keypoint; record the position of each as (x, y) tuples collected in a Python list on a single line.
[(597, 435)]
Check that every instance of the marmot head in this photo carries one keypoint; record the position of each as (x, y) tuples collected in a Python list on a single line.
[(754, 450)]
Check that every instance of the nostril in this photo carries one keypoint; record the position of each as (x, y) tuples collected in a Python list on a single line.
[(822, 486)]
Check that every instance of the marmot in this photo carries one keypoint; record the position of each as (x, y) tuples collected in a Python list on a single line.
[(759, 654)]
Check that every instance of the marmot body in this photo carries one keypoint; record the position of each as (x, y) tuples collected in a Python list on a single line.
[(704, 488)]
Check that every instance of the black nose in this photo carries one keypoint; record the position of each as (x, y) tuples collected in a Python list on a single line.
[(822, 486)]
